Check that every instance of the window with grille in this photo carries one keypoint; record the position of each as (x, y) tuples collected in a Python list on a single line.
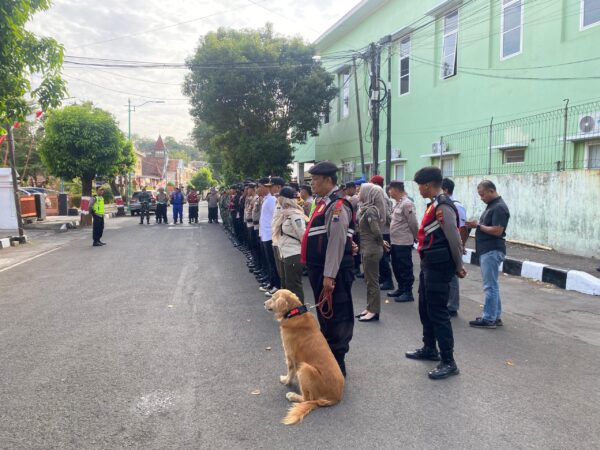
[(593, 156), (398, 174), (512, 27), (450, 45), (590, 13), (404, 65), (448, 167), (514, 156)]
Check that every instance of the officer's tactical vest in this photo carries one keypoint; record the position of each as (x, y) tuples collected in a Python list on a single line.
[(430, 235), (98, 206), (315, 240)]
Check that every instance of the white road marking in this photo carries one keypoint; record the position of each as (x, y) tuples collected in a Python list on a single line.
[(28, 259)]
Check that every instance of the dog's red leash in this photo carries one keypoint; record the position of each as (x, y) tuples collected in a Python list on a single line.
[(325, 300)]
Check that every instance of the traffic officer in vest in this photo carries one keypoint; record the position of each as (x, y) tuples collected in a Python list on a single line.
[(96, 209), (327, 252), (440, 249)]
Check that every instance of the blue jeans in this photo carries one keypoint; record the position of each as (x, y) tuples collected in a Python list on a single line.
[(177, 212), (489, 263)]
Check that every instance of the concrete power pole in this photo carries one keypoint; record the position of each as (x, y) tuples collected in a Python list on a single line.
[(13, 171), (375, 54)]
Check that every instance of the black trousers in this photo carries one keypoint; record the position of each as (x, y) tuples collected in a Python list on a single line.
[(402, 265), (213, 214), (385, 272), (255, 248), (161, 213), (434, 287), (98, 227), (339, 329), (193, 213), (144, 211), (274, 279)]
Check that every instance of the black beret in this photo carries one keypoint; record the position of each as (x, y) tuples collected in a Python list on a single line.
[(288, 192), (294, 185), (325, 168), (350, 184), (278, 181)]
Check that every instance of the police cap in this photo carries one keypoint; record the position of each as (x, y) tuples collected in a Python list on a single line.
[(265, 181), (278, 181), (288, 192), (324, 168), (350, 185)]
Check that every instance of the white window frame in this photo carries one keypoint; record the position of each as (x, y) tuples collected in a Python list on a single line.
[(394, 167), (453, 166), (507, 151), (581, 17), (502, 32), (444, 36), (402, 57), (586, 157)]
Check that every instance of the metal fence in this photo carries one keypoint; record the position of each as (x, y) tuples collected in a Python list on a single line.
[(562, 139)]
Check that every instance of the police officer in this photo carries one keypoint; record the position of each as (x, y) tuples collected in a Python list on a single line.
[(192, 199), (177, 200), (162, 199), (96, 208), (327, 252), (440, 249), (144, 198)]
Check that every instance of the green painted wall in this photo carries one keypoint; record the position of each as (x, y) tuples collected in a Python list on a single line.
[(552, 42)]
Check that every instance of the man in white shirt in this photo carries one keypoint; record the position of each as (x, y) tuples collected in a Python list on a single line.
[(266, 218)]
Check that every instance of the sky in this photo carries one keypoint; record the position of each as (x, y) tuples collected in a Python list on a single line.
[(159, 31)]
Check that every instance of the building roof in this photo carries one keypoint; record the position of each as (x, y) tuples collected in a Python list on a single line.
[(349, 21), (152, 166), (174, 165), (159, 146)]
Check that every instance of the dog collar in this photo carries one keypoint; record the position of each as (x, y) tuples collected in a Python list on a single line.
[(296, 312)]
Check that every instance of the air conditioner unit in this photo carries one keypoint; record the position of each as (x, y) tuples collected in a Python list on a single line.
[(589, 123), (396, 154), (437, 148), (349, 167)]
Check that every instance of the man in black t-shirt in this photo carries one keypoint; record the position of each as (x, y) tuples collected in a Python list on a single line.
[(490, 241)]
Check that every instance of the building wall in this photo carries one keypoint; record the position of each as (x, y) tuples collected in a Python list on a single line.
[(482, 88)]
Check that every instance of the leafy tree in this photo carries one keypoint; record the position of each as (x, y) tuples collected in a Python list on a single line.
[(253, 94), (84, 141), (203, 179), (27, 158), (22, 54)]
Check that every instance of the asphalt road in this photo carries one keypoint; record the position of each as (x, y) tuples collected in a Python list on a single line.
[(159, 339)]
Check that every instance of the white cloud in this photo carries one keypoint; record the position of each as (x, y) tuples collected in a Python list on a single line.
[(97, 29)]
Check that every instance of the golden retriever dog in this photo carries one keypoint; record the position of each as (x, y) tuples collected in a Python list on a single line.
[(309, 359)]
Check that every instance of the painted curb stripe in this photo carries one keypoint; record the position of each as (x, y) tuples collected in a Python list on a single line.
[(555, 276)]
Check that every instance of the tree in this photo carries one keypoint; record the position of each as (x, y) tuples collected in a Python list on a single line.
[(84, 141), (203, 179), (253, 94), (27, 158), (22, 54)]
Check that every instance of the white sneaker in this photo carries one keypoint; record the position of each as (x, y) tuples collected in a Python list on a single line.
[(272, 291), (265, 289)]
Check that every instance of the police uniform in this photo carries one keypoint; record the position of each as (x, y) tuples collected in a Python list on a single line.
[(327, 252), (97, 211), (144, 199), (440, 250)]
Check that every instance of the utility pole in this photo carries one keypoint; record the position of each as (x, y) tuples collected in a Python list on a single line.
[(375, 53), (360, 136), (13, 171), (388, 141)]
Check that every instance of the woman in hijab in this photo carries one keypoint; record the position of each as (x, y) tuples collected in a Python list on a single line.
[(372, 214), (288, 229)]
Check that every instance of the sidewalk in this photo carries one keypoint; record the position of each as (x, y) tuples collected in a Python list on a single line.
[(553, 258)]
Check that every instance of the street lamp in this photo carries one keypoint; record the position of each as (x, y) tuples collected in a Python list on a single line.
[(131, 108)]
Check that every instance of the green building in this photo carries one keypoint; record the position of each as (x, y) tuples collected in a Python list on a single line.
[(507, 90)]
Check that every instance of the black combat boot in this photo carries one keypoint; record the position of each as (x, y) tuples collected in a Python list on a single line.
[(425, 353)]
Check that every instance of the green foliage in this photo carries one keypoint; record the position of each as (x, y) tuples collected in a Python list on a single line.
[(84, 141), (22, 54), (108, 195), (27, 158), (203, 179), (248, 89)]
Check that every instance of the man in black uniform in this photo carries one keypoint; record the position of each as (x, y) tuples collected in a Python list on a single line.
[(440, 249), (327, 253)]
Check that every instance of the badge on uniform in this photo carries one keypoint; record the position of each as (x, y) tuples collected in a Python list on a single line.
[(298, 223), (336, 215)]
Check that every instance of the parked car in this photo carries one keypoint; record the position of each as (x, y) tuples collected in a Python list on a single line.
[(135, 206)]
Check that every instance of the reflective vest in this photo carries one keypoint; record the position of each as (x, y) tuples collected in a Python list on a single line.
[(430, 235), (315, 241), (98, 206)]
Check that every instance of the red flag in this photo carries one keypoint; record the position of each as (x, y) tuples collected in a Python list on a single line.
[(2, 139), (16, 125), (38, 114)]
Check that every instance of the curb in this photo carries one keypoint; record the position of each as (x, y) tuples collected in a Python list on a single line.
[(570, 280), (13, 241)]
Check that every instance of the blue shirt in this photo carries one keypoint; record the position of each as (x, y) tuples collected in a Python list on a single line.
[(462, 212), (177, 198)]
